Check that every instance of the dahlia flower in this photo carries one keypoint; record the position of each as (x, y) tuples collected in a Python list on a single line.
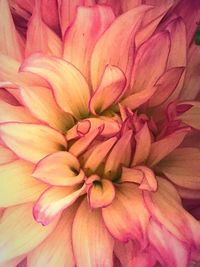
[(99, 133)]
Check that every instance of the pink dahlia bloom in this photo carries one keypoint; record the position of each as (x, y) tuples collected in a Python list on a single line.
[(99, 132)]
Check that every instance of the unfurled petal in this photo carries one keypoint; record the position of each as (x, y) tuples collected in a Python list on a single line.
[(21, 237), (69, 86), (92, 244), (166, 85), (127, 218), (47, 111), (53, 201), (143, 145), (56, 249), (101, 193), (111, 88), (163, 147), (60, 169), (31, 141), (149, 65), (15, 179), (6, 155), (132, 175), (116, 39), (192, 116), (89, 24), (10, 39), (182, 167)]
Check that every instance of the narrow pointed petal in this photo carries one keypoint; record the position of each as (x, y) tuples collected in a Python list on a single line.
[(26, 233), (56, 250), (31, 141), (109, 91), (191, 116), (10, 113), (126, 218), (143, 145), (6, 96), (15, 180), (149, 65), (40, 38), (60, 169), (125, 252), (167, 83), (6, 155), (48, 110), (84, 142), (92, 244), (53, 201), (99, 154), (69, 86), (120, 154), (163, 147), (121, 32), (101, 194), (89, 24), (182, 167), (9, 42)]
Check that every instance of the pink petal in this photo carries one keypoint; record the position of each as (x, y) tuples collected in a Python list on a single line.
[(89, 24), (15, 179), (47, 111), (69, 86), (160, 149), (115, 5), (143, 145), (40, 38), (92, 244), (119, 155), (60, 169), (7, 97), (10, 39), (126, 218), (111, 88), (149, 64), (27, 233), (53, 201), (167, 83), (101, 193), (6, 155), (182, 167), (99, 154), (56, 249), (191, 116), (115, 40), (149, 181), (31, 141)]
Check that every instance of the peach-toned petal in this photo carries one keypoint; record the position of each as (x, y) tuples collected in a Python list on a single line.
[(192, 116), (111, 88), (31, 141), (99, 154), (6, 96), (50, 14), (6, 155), (149, 181), (163, 147), (60, 168), (56, 250), (89, 24), (40, 38), (17, 185), (126, 217), (131, 175), (143, 145), (10, 113), (67, 10), (116, 39), (172, 251), (119, 155), (69, 86), (149, 65), (47, 111), (188, 193), (101, 193), (182, 167), (125, 252), (21, 237), (9, 42), (92, 244), (53, 201), (167, 83)]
